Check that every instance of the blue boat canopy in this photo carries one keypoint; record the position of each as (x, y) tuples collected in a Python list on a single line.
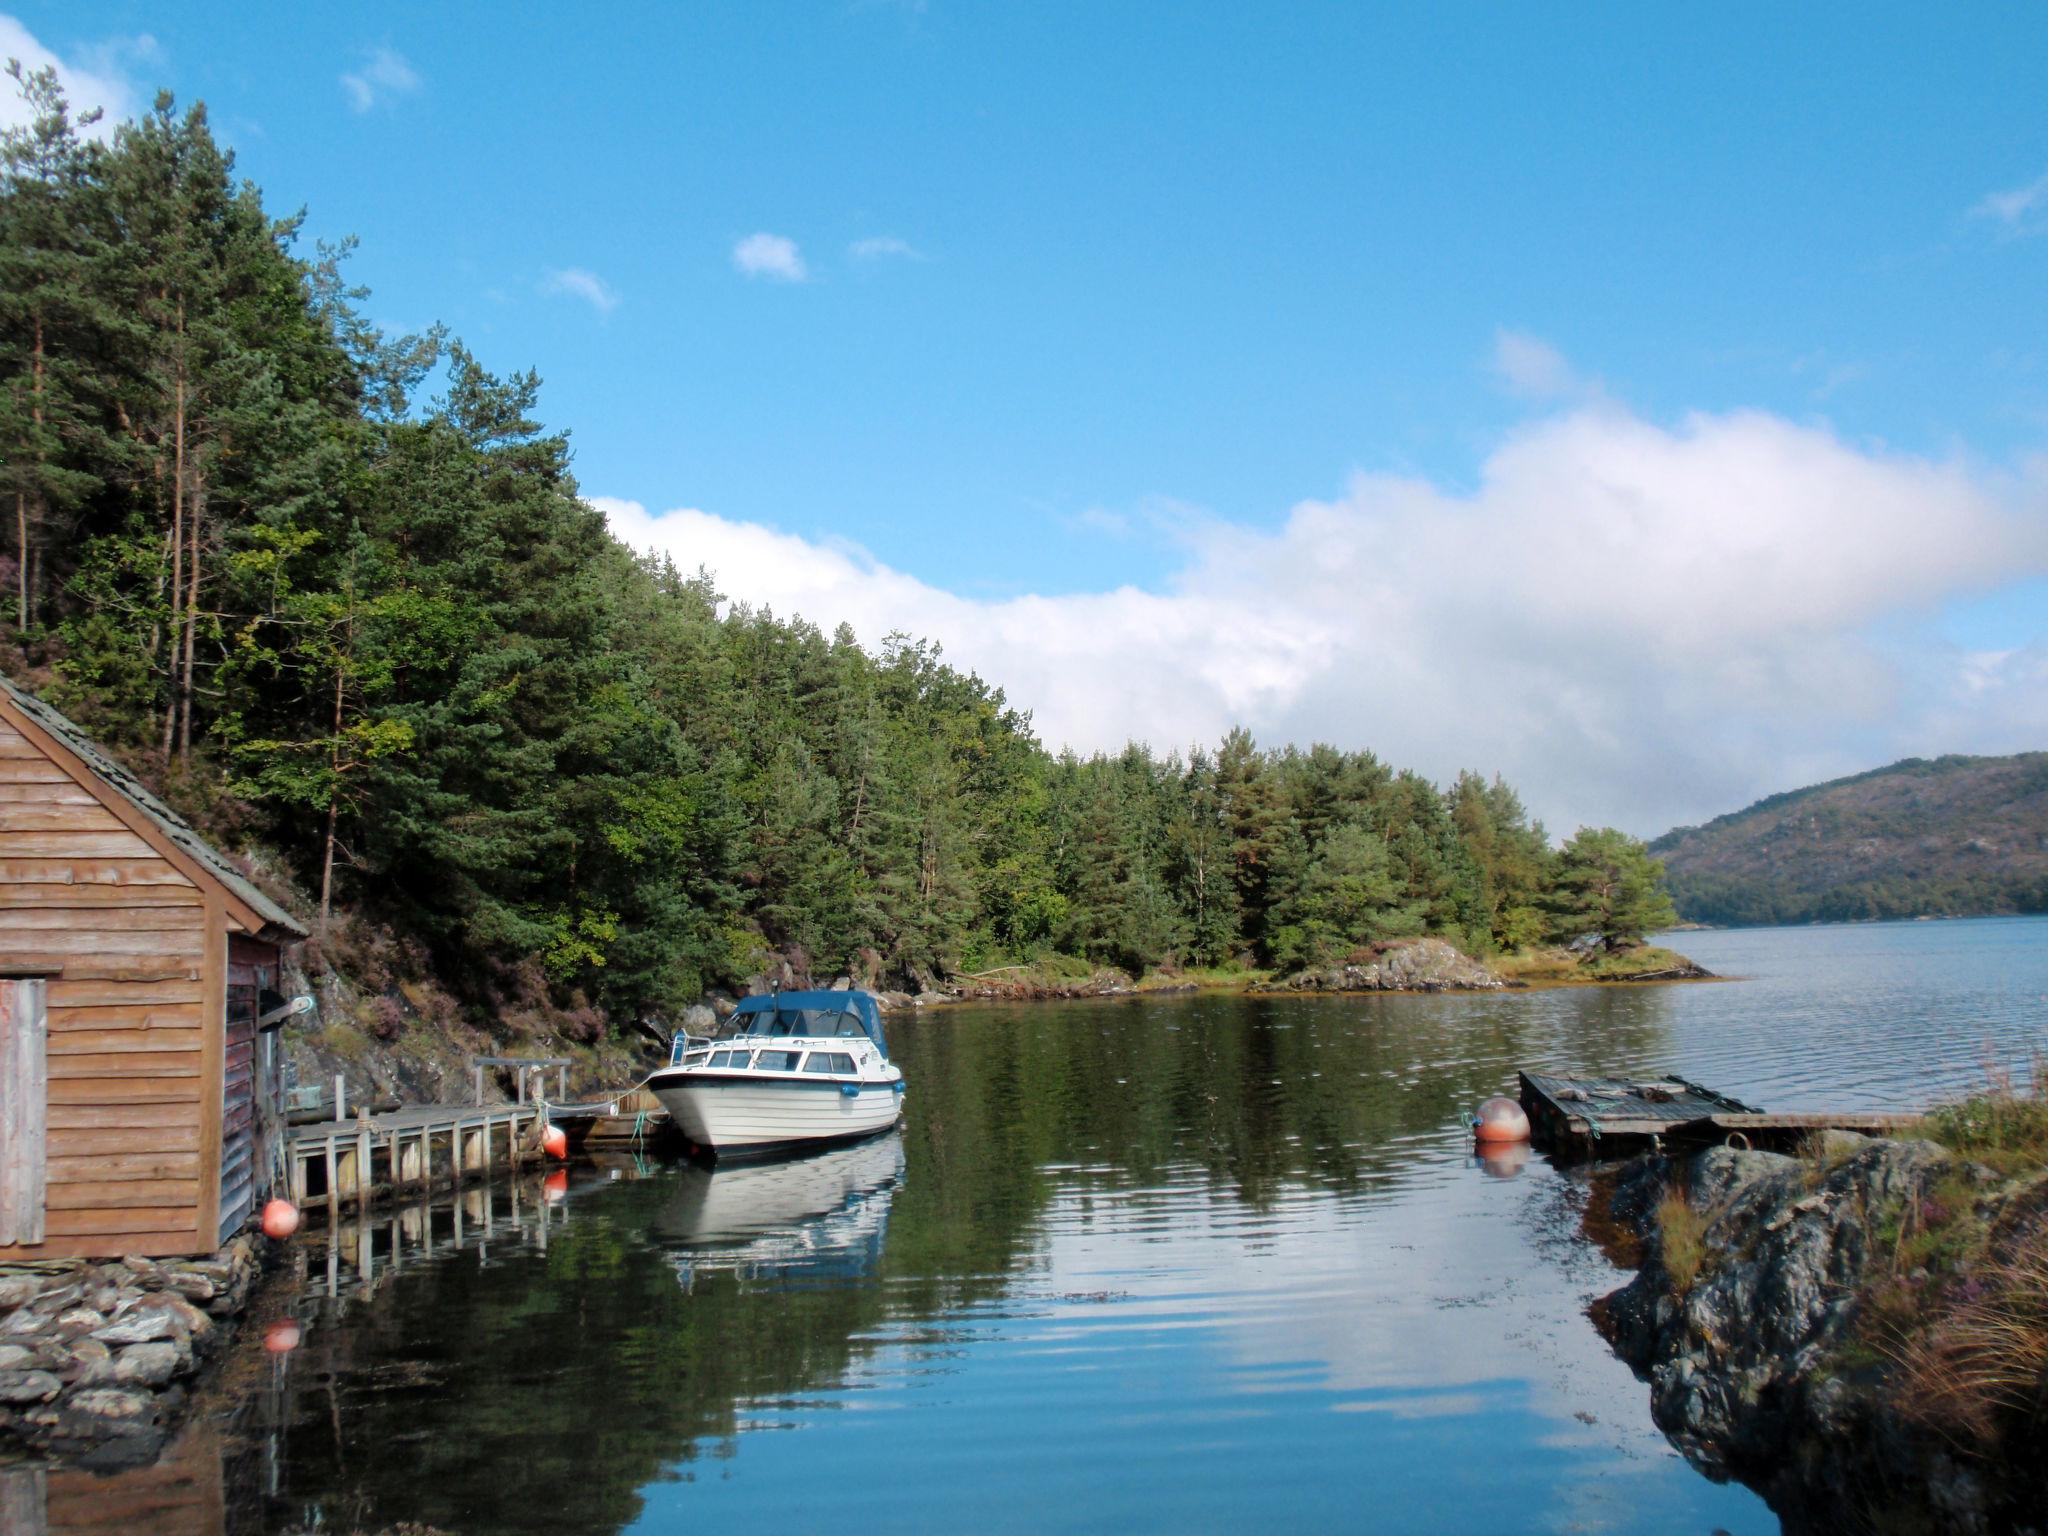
[(826, 1014)]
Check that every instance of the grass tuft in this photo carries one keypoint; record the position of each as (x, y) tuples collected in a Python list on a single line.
[(1681, 1239)]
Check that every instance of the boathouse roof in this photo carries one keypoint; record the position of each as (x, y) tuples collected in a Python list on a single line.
[(273, 921)]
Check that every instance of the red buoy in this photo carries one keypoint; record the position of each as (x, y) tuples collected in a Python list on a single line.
[(282, 1336), (280, 1219), (555, 1142), (555, 1187), (1500, 1119)]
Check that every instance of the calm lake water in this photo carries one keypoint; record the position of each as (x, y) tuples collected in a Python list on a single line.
[(1179, 1265)]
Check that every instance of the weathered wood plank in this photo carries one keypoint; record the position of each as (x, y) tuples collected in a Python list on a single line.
[(115, 1141), (104, 1166), (73, 845), (127, 1067), (75, 941), (61, 870), (98, 918), (124, 992), (152, 1195), (33, 770), (89, 1117), (59, 791), (130, 970), (24, 1102), (139, 1042), (178, 1242), (125, 1017), (37, 895), (100, 1090), (142, 1218), (56, 816)]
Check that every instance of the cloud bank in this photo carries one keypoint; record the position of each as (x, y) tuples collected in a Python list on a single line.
[(1637, 623)]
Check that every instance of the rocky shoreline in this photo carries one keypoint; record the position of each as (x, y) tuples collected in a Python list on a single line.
[(1413, 965), (97, 1359), (1766, 1319)]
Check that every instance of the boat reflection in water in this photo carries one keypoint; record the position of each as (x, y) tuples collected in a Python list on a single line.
[(820, 1217)]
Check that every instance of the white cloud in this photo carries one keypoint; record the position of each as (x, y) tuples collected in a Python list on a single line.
[(2013, 205), (1636, 623), (1532, 367), (95, 77), (583, 284), (879, 247), (383, 79), (770, 256)]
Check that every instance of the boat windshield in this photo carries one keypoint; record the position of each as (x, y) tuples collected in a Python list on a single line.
[(818, 1023)]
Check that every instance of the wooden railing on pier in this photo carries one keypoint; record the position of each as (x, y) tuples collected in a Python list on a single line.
[(337, 1161)]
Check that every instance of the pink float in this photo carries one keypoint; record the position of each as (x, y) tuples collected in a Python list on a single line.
[(1500, 1119)]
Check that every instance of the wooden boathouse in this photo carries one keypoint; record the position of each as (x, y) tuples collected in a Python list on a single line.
[(141, 1095)]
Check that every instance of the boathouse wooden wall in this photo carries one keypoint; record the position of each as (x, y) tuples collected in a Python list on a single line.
[(161, 1109)]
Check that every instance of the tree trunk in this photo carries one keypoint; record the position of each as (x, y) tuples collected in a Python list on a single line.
[(333, 806), (195, 505), (177, 534), (21, 545)]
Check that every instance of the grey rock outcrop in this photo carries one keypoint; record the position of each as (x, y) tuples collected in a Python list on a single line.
[(1410, 965), (1747, 1360)]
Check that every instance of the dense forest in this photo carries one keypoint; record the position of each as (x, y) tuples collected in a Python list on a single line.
[(1941, 837), (335, 592)]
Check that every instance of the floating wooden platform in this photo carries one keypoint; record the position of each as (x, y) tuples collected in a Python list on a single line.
[(634, 1118), (1610, 1117), (417, 1147)]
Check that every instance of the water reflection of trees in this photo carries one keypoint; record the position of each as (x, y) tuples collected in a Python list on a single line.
[(496, 1387)]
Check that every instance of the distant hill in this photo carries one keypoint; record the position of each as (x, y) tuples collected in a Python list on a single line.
[(1951, 837)]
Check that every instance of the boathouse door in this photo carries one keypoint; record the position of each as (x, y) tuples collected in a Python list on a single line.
[(24, 1108)]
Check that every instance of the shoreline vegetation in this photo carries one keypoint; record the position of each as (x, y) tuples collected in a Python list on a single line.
[(1861, 1331)]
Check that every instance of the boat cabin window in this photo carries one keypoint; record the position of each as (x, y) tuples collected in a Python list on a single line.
[(828, 1061), (775, 1061), (728, 1059)]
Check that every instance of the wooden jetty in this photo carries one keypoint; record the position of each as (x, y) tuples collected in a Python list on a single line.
[(1610, 1117), (418, 1147)]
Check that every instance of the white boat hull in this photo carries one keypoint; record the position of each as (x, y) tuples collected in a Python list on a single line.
[(754, 1115)]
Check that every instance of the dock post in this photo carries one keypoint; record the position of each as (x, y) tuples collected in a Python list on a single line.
[(407, 1170), (479, 1085), (364, 1179), (333, 1178), (340, 1097)]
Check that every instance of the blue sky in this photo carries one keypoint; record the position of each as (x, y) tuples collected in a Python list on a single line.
[(1039, 302)]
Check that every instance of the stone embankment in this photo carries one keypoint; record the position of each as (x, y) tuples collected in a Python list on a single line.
[(1413, 965), (1750, 1319), (96, 1359)]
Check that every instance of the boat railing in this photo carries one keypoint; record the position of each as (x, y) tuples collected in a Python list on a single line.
[(689, 1049)]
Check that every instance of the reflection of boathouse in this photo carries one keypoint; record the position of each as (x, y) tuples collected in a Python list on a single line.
[(142, 1101)]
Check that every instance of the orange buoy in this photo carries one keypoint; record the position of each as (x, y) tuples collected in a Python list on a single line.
[(555, 1142), (1500, 1119), (282, 1336), (555, 1187), (280, 1219)]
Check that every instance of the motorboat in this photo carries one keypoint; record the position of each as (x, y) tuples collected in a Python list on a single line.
[(798, 1069)]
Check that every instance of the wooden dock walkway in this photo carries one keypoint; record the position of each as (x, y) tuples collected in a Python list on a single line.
[(1610, 1117), (417, 1147)]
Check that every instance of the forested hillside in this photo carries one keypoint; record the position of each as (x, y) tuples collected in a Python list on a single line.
[(1951, 837), (336, 593)]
